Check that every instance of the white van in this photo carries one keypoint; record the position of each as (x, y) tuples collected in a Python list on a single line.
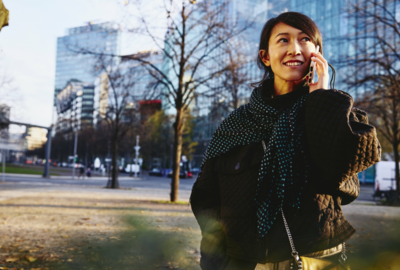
[(133, 167), (385, 177)]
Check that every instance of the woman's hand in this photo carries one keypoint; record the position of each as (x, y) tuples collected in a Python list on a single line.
[(322, 71)]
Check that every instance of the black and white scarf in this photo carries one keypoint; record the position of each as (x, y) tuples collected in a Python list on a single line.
[(285, 165)]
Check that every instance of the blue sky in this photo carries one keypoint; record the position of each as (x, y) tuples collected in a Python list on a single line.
[(28, 48)]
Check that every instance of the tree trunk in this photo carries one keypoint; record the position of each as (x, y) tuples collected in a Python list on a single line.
[(178, 130), (114, 173)]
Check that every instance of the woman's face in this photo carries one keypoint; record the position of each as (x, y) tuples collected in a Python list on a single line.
[(289, 53)]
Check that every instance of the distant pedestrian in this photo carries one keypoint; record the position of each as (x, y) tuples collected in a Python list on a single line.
[(81, 172), (88, 172)]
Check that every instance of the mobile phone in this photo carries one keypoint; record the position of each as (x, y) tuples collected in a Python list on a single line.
[(311, 73)]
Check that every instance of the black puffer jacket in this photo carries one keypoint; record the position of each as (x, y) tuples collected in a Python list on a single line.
[(341, 143)]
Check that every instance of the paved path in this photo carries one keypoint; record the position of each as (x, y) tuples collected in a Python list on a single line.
[(141, 185), (149, 187)]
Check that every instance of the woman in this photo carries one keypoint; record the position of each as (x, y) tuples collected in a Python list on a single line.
[(294, 149)]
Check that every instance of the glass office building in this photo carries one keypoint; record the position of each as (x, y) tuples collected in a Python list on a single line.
[(132, 83), (74, 107), (73, 64)]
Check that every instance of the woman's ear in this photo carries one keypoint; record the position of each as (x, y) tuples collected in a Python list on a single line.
[(264, 57)]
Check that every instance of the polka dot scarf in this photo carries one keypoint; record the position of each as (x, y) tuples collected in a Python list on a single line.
[(285, 165)]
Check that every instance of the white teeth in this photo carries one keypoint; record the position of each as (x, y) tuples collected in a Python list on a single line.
[(293, 64)]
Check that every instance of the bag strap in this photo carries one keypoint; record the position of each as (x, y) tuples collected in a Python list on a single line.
[(295, 254)]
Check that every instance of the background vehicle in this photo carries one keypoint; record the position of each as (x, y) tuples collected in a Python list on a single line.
[(155, 172), (195, 171), (133, 167), (385, 181), (183, 172)]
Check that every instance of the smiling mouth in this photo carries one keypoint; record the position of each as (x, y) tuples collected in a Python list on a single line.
[(293, 64)]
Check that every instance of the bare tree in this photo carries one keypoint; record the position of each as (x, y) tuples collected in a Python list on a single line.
[(236, 77), (9, 98), (195, 37), (376, 67), (121, 83), (116, 109)]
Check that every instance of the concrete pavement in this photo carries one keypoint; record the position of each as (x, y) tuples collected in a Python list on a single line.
[(160, 185), (95, 177)]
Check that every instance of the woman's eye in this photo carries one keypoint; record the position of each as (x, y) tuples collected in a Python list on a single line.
[(306, 39), (283, 40)]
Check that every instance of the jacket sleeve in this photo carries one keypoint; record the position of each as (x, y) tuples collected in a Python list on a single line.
[(341, 141), (205, 203)]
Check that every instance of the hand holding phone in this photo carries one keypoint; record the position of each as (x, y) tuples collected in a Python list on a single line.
[(312, 69), (320, 65)]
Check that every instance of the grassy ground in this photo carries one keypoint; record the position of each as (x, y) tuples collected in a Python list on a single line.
[(28, 169)]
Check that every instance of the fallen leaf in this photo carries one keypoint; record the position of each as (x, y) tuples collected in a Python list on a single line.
[(11, 259), (36, 268), (86, 218), (3, 268), (160, 220), (64, 236), (30, 258), (113, 237)]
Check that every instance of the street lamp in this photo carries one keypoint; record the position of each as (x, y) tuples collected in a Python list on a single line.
[(137, 148), (75, 155)]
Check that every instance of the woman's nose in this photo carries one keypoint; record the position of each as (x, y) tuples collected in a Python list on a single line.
[(294, 48)]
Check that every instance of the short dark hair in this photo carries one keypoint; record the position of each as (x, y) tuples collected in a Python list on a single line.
[(294, 19)]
